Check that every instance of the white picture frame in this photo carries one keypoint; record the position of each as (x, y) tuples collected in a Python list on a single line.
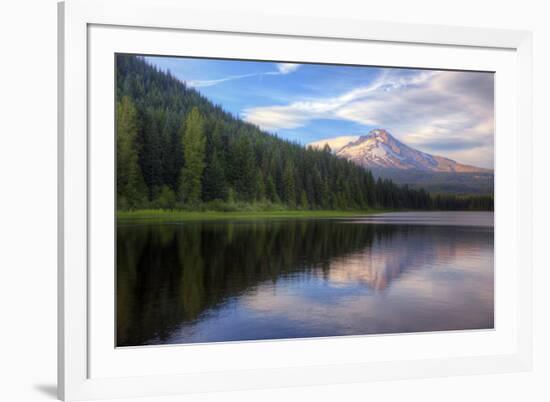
[(90, 368)]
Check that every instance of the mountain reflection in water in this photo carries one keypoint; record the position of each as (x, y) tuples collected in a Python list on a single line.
[(268, 279)]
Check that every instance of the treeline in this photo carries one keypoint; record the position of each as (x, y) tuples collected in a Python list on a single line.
[(451, 202), (175, 149)]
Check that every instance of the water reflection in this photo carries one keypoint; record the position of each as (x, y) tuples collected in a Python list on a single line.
[(222, 281)]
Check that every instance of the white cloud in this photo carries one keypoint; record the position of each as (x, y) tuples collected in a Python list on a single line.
[(299, 113), (286, 68), (447, 113)]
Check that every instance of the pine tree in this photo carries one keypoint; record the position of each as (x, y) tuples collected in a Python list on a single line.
[(270, 190), (326, 195), (289, 186), (245, 169), (303, 200), (131, 190), (194, 142), (151, 150), (214, 185), (259, 187)]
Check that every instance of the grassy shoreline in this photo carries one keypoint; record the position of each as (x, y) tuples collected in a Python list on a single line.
[(182, 215)]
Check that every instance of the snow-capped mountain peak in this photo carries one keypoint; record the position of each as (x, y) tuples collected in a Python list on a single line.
[(380, 150)]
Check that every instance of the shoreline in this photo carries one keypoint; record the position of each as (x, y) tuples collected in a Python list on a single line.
[(180, 215)]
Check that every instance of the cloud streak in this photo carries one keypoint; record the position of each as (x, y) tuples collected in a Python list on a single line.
[(282, 69), (436, 111), (299, 113), (209, 83)]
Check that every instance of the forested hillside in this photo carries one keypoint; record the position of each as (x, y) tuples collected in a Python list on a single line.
[(176, 149)]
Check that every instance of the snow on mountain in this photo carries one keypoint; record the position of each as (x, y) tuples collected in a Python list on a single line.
[(380, 150)]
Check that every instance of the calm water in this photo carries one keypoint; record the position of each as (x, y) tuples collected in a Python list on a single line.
[(244, 280)]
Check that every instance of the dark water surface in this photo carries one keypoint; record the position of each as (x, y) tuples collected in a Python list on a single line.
[(267, 279)]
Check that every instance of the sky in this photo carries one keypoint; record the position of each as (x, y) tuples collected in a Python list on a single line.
[(446, 113)]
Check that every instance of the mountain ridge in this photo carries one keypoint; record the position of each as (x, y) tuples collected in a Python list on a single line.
[(388, 158), (380, 150)]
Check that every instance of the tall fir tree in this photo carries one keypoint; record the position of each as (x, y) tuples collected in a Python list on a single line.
[(259, 187), (131, 189), (194, 142), (214, 185), (271, 191), (245, 168), (289, 185), (304, 204)]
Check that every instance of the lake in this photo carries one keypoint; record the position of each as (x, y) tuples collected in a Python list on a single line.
[(217, 281)]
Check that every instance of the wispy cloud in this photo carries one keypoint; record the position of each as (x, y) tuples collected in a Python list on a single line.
[(282, 69), (299, 113), (436, 111), (209, 83)]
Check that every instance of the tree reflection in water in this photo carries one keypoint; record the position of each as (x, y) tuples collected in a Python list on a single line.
[(174, 275)]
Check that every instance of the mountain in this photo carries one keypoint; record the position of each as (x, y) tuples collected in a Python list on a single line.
[(388, 157), (380, 150)]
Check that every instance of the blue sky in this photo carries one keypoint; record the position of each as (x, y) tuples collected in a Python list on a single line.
[(445, 113)]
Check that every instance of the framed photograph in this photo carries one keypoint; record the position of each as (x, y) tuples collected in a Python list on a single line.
[(251, 201)]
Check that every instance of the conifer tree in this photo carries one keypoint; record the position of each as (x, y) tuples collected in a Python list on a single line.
[(259, 187), (289, 186), (303, 200), (131, 190), (194, 142), (270, 190), (245, 169), (214, 186)]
